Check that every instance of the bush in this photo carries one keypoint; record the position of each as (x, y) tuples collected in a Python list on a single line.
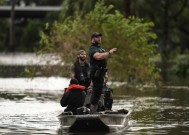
[(133, 37)]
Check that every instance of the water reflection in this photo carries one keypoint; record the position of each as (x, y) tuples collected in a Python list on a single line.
[(33, 111)]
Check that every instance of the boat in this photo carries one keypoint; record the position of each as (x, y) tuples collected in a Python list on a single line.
[(100, 121)]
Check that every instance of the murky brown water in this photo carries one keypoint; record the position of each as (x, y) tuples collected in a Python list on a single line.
[(32, 109)]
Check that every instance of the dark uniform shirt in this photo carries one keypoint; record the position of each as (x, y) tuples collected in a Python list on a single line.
[(93, 62)]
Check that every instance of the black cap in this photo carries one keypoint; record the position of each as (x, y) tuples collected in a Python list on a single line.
[(96, 34), (73, 81)]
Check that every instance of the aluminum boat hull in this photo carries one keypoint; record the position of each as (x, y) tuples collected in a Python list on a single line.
[(93, 122)]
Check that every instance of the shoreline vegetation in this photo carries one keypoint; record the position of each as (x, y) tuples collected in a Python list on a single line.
[(15, 68), (148, 51)]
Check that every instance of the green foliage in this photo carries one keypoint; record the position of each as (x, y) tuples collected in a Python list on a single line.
[(133, 37), (180, 66), (2, 2), (170, 17), (80, 6), (28, 42), (4, 32)]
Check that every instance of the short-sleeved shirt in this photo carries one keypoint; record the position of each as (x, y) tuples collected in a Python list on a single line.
[(93, 62)]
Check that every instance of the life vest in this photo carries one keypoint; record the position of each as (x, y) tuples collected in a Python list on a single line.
[(74, 87), (81, 75)]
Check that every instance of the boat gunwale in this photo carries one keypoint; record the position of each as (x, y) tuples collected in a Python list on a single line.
[(95, 115)]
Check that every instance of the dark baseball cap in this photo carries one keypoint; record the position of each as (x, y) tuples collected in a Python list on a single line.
[(96, 34), (73, 81)]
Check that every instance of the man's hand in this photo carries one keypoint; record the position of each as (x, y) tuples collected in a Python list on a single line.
[(105, 55), (112, 50)]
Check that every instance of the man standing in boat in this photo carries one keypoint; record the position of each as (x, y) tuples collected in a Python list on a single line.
[(81, 69), (98, 62)]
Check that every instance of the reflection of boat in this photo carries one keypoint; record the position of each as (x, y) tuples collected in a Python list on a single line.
[(101, 121)]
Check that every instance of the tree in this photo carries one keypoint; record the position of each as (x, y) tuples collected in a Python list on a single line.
[(11, 29), (170, 18), (133, 38)]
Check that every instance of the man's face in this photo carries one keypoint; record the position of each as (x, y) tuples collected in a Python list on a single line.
[(97, 39), (82, 56)]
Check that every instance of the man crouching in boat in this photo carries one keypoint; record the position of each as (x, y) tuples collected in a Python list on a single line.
[(73, 97)]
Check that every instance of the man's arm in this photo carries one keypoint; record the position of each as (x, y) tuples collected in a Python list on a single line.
[(63, 100), (105, 55)]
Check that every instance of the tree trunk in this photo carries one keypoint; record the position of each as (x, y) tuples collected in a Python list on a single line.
[(11, 29), (165, 44), (127, 8)]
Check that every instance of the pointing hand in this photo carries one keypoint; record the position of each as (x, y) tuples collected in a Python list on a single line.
[(112, 50)]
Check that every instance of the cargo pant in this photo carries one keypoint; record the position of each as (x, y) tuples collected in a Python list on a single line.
[(98, 81)]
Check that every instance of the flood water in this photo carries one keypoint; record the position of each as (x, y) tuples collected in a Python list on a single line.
[(30, 107)]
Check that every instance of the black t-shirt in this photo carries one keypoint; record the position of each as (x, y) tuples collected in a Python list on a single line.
[(93, 62)]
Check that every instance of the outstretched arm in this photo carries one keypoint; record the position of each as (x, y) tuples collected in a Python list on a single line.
[(105, 55)]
